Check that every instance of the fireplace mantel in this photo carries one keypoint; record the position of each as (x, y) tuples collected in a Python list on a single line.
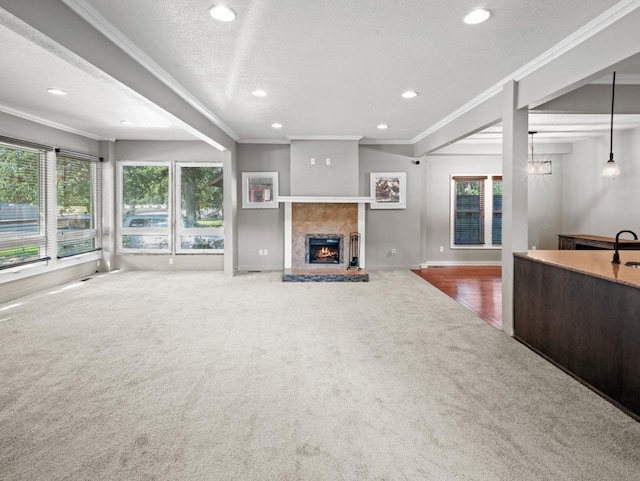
[(311, 199)]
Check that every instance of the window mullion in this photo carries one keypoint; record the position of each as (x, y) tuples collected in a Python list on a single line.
[(487, 192), (49, 210)]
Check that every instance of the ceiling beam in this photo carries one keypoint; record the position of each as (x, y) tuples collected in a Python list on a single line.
[(595, 99), (66, 28), (585, 56)]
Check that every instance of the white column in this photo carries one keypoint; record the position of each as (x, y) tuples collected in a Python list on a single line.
[(515, 231), (361, 230), (287, 235)]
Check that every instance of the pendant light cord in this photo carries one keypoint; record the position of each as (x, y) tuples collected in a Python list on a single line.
[(613, 94)]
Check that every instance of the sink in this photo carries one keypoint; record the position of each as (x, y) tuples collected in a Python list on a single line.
[(633, 264)]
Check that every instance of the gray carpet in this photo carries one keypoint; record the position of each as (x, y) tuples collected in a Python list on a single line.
[(196, 376)]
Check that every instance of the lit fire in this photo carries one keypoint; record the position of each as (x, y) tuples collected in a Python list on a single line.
[(325, 252)]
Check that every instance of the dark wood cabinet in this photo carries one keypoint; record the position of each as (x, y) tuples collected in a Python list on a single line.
[(585, 324), (572, 242)]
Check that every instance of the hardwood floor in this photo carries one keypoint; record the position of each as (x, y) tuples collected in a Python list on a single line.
[(479, 289)]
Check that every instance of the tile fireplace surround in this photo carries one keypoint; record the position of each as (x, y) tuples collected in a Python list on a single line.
[(325, 216)]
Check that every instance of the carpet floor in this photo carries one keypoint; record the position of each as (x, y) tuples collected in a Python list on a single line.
[(198, 376)]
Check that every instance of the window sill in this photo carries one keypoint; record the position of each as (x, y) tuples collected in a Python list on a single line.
[(23, 272)]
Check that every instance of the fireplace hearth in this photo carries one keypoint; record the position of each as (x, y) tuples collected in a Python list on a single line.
[(324, 248)]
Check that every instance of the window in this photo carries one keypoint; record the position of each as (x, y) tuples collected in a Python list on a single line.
[(468, 208), (496, 221), (144, 205), (79, 197), (23, 220), (476, 211), (200, 209), (149, 223)]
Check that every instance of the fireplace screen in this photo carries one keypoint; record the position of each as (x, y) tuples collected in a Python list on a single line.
[(324, 249)]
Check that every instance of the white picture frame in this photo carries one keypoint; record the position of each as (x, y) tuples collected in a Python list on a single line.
[(260, 190), (388, 190)]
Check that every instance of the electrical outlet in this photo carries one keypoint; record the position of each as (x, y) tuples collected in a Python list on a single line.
[(266, 252), (261, 252), (313, 161), (328, 161), (393, 252), (170, 261), (441, 248), (533, 248)]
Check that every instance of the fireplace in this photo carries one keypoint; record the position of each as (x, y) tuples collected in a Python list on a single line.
[(324, 248)]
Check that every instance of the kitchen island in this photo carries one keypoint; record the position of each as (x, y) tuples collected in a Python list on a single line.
[(582, 313)]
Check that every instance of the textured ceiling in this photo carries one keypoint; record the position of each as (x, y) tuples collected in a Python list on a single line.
[(331, 68)]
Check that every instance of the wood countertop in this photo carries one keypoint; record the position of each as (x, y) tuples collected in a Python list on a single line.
[(595, 263)]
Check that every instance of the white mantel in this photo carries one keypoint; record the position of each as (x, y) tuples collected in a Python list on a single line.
[(312, 199), (289, 200)]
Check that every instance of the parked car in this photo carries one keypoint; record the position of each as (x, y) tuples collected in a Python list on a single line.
[(154, 220)]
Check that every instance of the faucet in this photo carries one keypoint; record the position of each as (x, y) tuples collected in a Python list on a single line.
[(616, 255)]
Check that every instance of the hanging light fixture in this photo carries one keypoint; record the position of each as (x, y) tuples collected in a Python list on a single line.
[(537, 167), (611, 169)]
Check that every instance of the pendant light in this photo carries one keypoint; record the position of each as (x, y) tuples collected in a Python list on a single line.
[(537, 167), (611, 169)]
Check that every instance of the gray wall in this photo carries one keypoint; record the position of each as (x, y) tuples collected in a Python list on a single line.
[(597, 205), (397, 229), (338, 179), (56, 272), (386, 229), (162, 151), (438, 200), (545, 206), (260, 229)]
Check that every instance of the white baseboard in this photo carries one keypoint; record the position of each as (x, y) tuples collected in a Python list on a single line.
[(260, 268), (385, 267), (459, 264)]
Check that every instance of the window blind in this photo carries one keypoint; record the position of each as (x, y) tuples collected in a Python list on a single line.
[(79, 203), (23, 194), (468, 208), (496, 222)]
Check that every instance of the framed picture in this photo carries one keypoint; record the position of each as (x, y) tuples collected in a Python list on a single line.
[(259, 190), (388, 190)]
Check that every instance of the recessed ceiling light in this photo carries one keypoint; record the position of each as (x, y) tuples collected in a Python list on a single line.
[(222, 13), (127, 122), (55, 91), (383, 126), (477, 16), (276, 125), (409, 94), (259, 93)]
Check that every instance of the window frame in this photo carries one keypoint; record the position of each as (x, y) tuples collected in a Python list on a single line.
[(94, 232), (149, 231), (42, 238), (179, 230), (174, 228), (494, 179), (487, 211)]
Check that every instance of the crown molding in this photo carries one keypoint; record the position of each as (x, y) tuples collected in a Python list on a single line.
[(598, 24), (324, 137), (264, 141), (97, 21), (386, 142), (48, 123)]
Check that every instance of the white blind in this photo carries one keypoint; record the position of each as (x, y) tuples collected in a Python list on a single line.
[(79, 203), (23, 210)]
